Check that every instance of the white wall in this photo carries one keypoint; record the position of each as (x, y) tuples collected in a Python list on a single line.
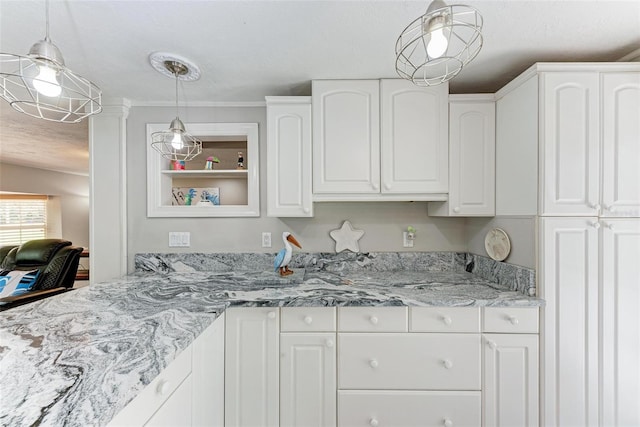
[(520, 229), (72, 192), (383, 223)]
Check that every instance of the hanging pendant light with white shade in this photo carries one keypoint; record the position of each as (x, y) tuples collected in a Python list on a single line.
[(40, 85), (435, 47), (175, 143)]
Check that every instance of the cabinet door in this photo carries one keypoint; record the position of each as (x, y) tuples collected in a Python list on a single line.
[(346, 136), (620, 390), (251, 367), (570, 144), (472, 150), (621, 144), (569, 285), (308, 379), (510, 380), (414, 137), (289, 157)]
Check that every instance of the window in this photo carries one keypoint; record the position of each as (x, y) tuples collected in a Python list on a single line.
[(22, 218)]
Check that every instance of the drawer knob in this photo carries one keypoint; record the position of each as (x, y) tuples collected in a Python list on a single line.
[(374, 186), (446, 320), (447, 422), (308, 320), (513, 320), (492, 345), (373, 422), (271, 315), (163, 387), (456, 209), (329, 343), (373, 363), (306, 210), (447, 363), (373, 320)]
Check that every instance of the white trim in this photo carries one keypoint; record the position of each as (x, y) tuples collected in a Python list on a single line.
[(378, 197), (472, 97), (287, 100)]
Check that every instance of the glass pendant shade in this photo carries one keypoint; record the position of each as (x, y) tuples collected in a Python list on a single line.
[(435, 47), (40, 85), (175, 143)]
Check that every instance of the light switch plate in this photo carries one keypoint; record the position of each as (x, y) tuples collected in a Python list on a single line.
[(179, 239)]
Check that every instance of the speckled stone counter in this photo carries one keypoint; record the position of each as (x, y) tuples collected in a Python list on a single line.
[(78, 358)]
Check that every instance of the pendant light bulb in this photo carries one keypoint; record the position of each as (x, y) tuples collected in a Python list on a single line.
[(46, 82), (177, 142), (438, 42)]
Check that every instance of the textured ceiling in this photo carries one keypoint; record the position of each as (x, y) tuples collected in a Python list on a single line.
[(249, 49)]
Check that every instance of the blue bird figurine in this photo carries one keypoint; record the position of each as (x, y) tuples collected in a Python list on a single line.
[(281, 262)]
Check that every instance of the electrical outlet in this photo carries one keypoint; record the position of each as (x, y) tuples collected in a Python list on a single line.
[(179, 239), (266, 239), (406, 242)]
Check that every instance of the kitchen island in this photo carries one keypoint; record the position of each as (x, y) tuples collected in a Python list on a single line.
[(81, 357)]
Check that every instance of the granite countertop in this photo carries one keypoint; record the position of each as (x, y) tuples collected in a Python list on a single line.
[(78, 358)]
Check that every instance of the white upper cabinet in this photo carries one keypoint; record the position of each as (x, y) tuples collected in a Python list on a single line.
[(346, 136), (414, 135), (590, 144), (289, 156), (570, 148), (620, 144), (472, 143), (352, 162)]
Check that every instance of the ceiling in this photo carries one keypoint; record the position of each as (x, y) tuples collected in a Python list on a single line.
[(249, 49)]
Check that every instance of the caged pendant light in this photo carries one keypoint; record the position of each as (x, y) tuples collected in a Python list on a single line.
[(435, 47), (175, 144), (40, 85)]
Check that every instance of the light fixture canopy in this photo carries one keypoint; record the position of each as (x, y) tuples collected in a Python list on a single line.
[(435, 47), (40, 85), (175, 144)]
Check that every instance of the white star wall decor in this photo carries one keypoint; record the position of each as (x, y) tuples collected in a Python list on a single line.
[(346, 237)]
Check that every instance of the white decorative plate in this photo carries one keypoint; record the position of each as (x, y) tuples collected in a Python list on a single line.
[(497, 244)]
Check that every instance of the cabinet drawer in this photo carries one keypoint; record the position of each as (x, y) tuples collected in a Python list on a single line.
[(408, 408), (153, 396), (372, 319), (444, 319), (409, 361), (308, 319), (510, 320)]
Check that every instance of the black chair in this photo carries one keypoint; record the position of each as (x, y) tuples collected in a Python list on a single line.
[(56, 260)]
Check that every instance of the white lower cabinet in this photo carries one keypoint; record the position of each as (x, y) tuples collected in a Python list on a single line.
[(188, 391), (510, 380), (408, 408)]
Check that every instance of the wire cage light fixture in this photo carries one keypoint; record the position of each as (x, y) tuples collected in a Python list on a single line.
[(40, 85), (175, 143), (435, 47)]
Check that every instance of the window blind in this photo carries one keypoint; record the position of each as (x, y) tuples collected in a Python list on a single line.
[(22, 218)]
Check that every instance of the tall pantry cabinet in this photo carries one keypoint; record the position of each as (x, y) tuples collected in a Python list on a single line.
[(583, 122)]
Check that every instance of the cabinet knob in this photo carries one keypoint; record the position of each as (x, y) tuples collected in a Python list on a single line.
[(387, 186), (492, 345), (308, 320), (595, 225), (374, 186), (513, 320), (595, 206), (609, 225), (373, 422), (271, 315), (447, 422), (456, 209), (329, 343), (373, 320), (447, 363), (163, 387), (446, 320), (306, 210), (373, 363)]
